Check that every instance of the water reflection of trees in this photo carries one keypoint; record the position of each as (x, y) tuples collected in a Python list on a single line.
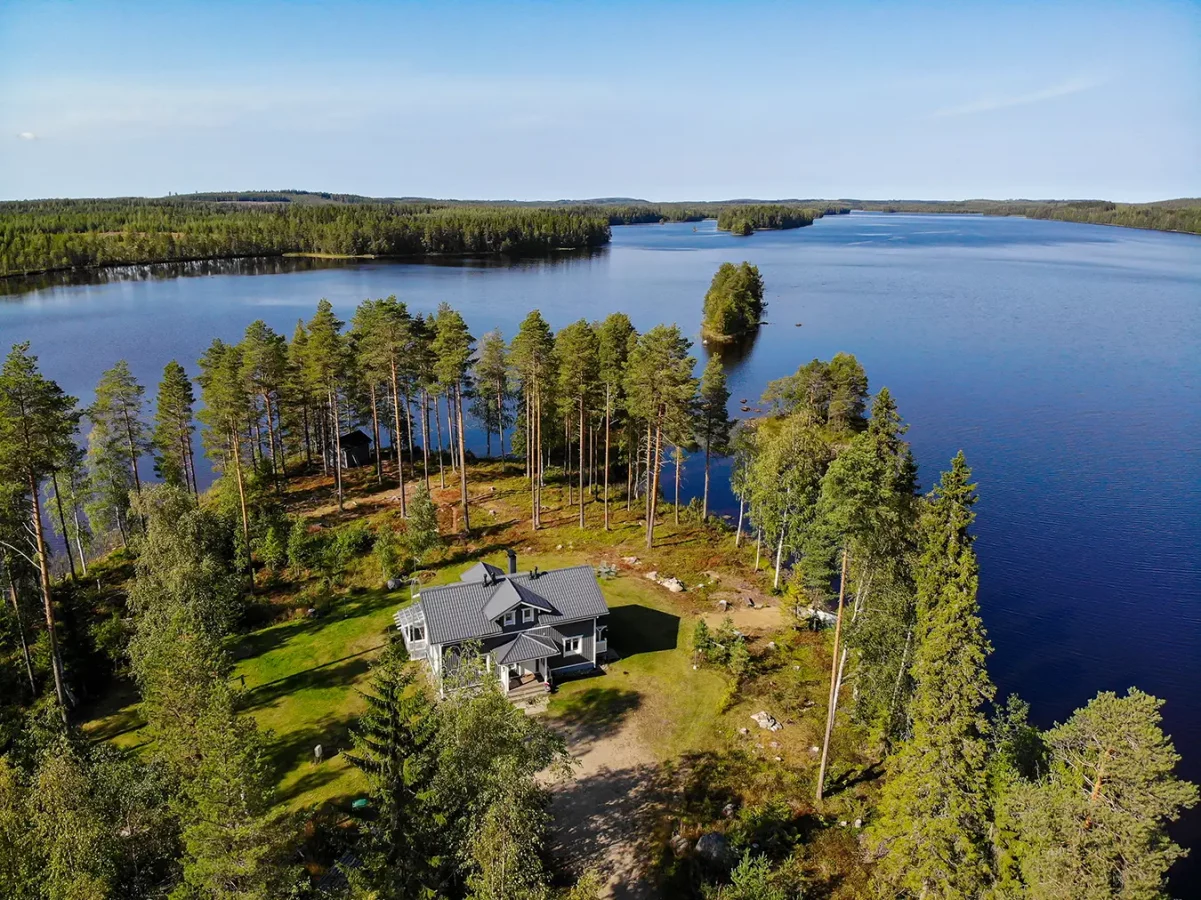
[(279, 265), (733, 354)]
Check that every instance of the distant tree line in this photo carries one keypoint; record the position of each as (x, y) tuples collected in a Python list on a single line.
[(47, 235), (1164, 215)]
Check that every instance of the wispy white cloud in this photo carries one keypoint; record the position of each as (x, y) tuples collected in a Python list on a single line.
[(27, 136), (989, 104)]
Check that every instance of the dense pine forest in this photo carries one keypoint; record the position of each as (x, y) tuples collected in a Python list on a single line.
[(50, 235), (47, 235), (1165, 215), (897, 769), (745, 220)]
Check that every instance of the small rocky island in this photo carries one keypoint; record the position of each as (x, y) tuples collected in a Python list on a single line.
[(734, 303)]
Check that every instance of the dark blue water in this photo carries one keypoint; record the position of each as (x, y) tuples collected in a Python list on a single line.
[(1063, 359)]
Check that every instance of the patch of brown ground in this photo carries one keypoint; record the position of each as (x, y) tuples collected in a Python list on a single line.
[(605, 814)]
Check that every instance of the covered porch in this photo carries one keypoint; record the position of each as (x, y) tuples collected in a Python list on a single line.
[(522, 665)]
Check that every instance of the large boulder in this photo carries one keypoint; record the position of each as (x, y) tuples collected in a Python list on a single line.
[(714, 849), (766, 720)]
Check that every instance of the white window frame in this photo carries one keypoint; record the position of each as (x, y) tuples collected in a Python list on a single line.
[(511, 617), (416, 633), (527, 614), (573, 645)]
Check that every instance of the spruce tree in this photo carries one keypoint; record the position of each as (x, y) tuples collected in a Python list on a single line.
[(173, 429), (933, 812), (393, 748), (226, 409)]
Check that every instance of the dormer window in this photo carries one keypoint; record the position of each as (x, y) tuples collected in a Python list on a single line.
[(511, 617), (527, 614)]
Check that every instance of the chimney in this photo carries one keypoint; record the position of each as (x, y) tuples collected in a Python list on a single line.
[(512, 561)]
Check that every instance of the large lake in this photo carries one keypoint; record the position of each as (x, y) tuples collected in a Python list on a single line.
[(1064, 359)]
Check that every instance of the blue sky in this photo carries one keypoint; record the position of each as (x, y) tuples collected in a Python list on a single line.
[(552, 100)]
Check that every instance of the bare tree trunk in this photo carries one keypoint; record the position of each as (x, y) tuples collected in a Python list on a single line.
[(275, 429), (567, 458), (441, 450), (835, 670), (56, 659), (529, 456), (308, 441), (650, 446), (400, 469), (237, 454), (62, 521), (12, 593), (425, 437), (631, 457), (500, 425), (450, 432), (779, 554), (409, 427), (705, 500), (738, 533), (679, 455), (462, 457), (537, 471), (337, 425), (654, 492), (581, 460), (607, 418), (758, 545), (83, 557), (379, 456), (896, 689)]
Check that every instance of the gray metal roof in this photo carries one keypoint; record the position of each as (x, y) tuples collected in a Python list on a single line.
[(479, 570), (456, 612), (525, 648), (509, 594)]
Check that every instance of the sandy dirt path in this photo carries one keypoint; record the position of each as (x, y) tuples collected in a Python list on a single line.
[(604, 816)]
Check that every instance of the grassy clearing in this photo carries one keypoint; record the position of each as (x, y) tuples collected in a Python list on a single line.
[(302, 676)]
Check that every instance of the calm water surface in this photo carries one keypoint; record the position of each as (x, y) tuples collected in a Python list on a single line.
[(1063, 359)]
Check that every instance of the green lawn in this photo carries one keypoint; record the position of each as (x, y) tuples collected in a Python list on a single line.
[(303, 678), (673, 707)]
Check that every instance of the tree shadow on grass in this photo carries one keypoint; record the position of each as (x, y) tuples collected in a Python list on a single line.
[(595, 713), (258, 643), (608, 820), (337, 673), (637, 629), (294, 750)]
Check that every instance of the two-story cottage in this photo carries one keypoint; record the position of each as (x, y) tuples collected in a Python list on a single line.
[(531, 625)]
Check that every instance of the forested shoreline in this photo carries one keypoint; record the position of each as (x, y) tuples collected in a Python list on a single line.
[(41, 236), (593, 423)]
